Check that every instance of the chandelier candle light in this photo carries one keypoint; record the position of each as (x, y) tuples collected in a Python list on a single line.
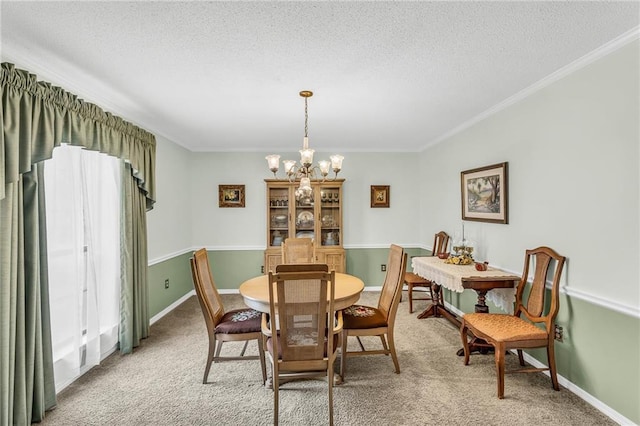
[(306, 170)]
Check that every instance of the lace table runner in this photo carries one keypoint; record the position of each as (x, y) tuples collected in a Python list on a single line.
[(450, 276)]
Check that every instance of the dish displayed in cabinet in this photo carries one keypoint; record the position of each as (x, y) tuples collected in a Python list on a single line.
[(305, 234), (327, 221), (305, 219), (280, 219)]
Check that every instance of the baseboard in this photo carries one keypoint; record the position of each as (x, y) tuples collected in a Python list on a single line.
[(171, 307), (601, 406), (571, 387)]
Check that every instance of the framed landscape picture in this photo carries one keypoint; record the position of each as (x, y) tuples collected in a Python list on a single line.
[(379, 195), (230, 195), (484, 194)]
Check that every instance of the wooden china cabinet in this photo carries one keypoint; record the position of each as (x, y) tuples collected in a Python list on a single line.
[(319, 219)]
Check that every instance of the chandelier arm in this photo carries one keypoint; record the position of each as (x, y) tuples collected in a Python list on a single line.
[(306, 171)]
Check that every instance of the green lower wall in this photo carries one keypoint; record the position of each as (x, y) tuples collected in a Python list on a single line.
[(599, 354), (232, 267), (178, 272), (365, 263)]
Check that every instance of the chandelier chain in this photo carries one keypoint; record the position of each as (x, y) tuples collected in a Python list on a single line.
[(306, 117)]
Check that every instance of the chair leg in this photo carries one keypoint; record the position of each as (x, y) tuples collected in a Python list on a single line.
[(551, 358), (276, 385), (392, 349), (343, 356), (465, 341), (384, 343), (521, 357), (330, 380), (499, 355), (360, 343), (263, 366), (219, 348), (210, 356), (410, 293), (244, 348)]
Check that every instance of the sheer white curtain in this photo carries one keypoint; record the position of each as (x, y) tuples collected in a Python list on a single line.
[(83, 236)]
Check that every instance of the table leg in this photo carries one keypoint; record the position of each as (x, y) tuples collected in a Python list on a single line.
[(437, 309), (433, 309), (481, 306)]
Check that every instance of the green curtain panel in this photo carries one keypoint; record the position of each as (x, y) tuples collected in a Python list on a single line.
[(35, 118), (134, 306), (26, 368)]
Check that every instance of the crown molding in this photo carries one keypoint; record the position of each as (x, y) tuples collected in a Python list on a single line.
[(574, 66)]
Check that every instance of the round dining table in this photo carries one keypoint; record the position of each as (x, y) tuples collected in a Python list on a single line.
[(255, 292)]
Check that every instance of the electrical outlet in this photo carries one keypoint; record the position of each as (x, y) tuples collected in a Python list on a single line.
[(166, 283), (383, 267), (262, 269), (558, 333)]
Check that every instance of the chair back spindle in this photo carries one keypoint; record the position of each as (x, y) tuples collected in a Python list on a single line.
[(298, 250)]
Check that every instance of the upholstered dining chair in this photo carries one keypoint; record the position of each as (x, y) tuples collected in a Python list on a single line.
[(298, 342), (413, 281), (360, 320), (519, 330), (236, 325), (298, 250)]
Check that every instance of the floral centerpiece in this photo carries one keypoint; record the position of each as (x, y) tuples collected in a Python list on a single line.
[(462, 255)]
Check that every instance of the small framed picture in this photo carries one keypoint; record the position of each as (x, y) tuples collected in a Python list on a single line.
[(230, 195), (379, 195), (484, 194)]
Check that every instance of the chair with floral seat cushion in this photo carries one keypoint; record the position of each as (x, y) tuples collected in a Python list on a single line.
[(521, 330), (360, 320), (298, 342), (232, 326), (413, 281)]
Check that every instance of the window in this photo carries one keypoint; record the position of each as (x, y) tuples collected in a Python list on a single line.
[(82, 190)]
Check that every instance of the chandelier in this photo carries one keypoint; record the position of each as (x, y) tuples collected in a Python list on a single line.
[(305, 171)]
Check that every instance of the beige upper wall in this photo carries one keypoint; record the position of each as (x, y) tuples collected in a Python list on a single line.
[(186, 214), (573, 153), (245, 228), (169, 224)]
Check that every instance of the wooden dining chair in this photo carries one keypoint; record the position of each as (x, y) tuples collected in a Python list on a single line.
[(298, 250), (360, 320), (519, 330), (232, 326), (298, 342), (413, 281)]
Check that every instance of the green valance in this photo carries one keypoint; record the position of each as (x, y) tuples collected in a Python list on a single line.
[(36, 117)]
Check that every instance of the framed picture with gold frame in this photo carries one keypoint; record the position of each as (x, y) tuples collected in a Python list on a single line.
[(230, 195), (379, 195), (484, 194)]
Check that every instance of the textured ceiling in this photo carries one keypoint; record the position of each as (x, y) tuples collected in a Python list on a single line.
[(225, 76)]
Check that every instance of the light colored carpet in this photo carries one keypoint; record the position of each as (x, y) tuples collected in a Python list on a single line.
[(161, 384)]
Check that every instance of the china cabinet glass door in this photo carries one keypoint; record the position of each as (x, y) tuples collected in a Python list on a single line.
[(330, 215), (304, 219), (278, 226)]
